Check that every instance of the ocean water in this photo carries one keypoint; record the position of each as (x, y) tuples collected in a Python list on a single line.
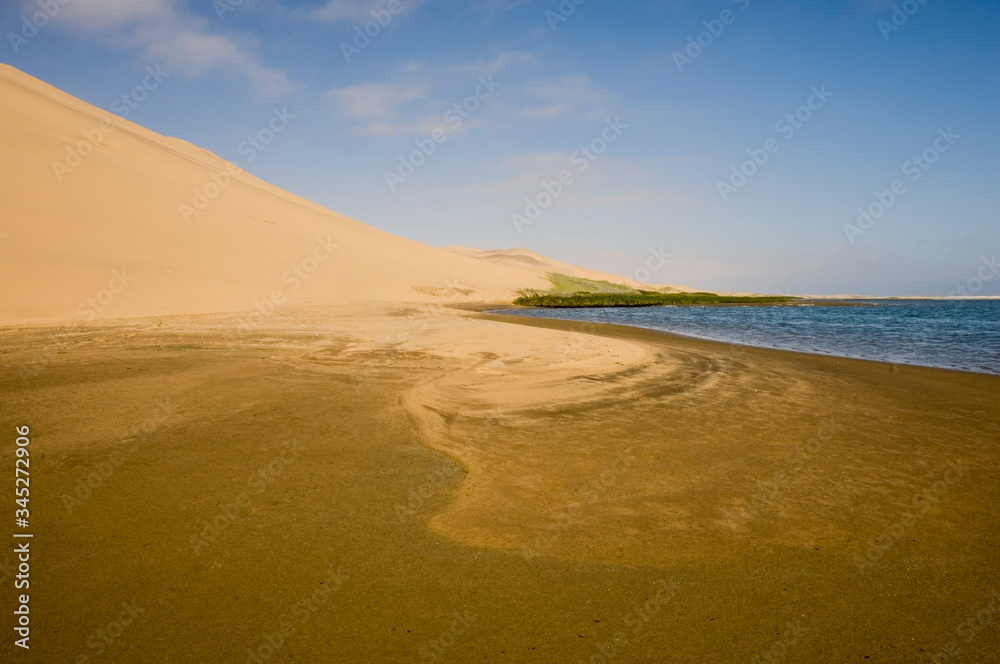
[(952, 334)]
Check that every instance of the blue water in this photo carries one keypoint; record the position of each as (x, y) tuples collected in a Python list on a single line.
[(962, 335)]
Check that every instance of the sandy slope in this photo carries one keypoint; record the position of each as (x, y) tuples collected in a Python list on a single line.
[(529, 260), (588, 489), (88, 196)]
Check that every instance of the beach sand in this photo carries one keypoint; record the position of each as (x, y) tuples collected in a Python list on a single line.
[(266, 432), (538, 492)]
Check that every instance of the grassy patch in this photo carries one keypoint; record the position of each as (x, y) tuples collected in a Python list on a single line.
[(562, 283), (641, 299), (579, 292)]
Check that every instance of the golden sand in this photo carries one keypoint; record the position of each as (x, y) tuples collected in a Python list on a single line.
[(511, 497), (264, 433)]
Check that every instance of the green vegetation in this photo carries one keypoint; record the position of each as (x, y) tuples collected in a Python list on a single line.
[(641, 299), (578, 292), (565, 284)]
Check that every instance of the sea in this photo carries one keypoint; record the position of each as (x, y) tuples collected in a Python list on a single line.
[(950, 334)]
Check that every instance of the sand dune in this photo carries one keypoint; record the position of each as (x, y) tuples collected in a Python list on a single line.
[(141, 224), (573, 489), (533, 262)]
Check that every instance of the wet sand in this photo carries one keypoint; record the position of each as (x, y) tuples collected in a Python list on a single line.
[(440, 485)]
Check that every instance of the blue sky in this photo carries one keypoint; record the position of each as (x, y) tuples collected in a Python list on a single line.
[(896, 80)]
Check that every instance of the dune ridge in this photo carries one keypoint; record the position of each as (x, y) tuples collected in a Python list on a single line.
[(99, 207), (547, 477)]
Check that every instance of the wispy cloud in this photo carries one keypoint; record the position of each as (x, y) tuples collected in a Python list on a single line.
[(172, 36), (375, 100), (340, 11), (379, 109), (494, 8), (569, 95), (501, 61), (107, 15), (526, 171), (614, 184), (416, 101), (350, 12)]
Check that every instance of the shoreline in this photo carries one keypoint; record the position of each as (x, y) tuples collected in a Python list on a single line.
[(541, 479), (623, 335), (686, 369)]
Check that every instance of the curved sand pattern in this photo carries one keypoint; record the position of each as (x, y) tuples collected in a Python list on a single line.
[(601, 464), (691, 446)]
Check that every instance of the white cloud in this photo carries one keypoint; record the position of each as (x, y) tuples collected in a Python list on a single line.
[(415, 103), (340, 11), (562, 98), (351, 12), (173, 37), (406, 106), (360, 11), (493, 8), (400, 107), (104, 15), (195, 53), (497, 63), (574, 87), (527, 172), (609, 183), (378, 108), (375, 101)]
